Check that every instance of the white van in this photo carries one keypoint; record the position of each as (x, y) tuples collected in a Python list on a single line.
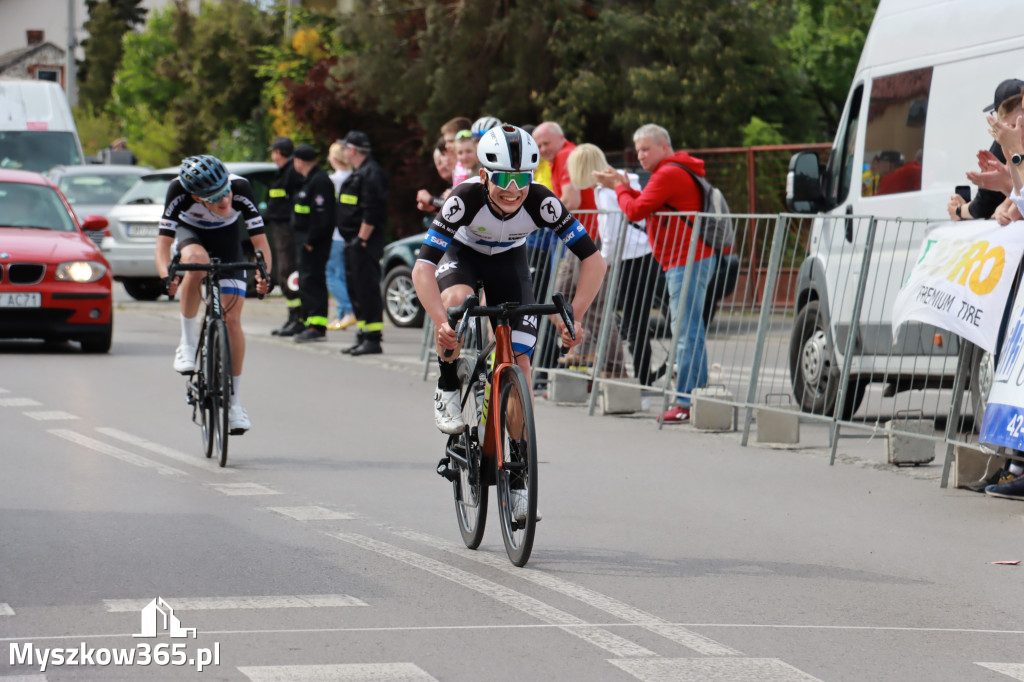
[(37, 131), (927, 70)]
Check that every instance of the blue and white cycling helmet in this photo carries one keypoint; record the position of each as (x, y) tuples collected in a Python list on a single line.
[(482, 125), (203, 175), (508, 148)]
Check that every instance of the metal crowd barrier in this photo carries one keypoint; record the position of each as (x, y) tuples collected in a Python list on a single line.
[(769, 338)]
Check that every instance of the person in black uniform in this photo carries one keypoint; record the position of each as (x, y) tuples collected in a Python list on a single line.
[(314, 227), (280, 209), (362, 219)]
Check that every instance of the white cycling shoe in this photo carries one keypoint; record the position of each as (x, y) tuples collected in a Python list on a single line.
[(238, 420), (185, 359), (521, 505), (448, 412)]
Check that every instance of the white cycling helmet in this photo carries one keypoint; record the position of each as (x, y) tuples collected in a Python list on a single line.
[(482, 125), (508, 148)]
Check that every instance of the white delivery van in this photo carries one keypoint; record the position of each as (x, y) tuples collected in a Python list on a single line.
[(37, 131), (927, 70)]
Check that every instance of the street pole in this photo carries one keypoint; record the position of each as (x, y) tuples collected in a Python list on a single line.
[(71, 69)]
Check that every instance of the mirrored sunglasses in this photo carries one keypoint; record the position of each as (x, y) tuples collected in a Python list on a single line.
[(464, 135), (215, 198), (503, 179)]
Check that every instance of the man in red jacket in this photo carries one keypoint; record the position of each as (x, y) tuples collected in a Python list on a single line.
[(672, 189)]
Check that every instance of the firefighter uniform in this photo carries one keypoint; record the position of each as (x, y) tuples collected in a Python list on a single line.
[(280, 209), (362, 199), (314, 227)]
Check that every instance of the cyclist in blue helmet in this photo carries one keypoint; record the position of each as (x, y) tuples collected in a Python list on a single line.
[(202, 207)]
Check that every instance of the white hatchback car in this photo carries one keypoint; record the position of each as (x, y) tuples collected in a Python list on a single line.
[(135, 219)]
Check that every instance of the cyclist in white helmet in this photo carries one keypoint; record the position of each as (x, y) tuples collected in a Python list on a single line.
[(482, 125), (479, 236)]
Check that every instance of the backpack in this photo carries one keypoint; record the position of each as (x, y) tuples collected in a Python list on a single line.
[(716, 227)]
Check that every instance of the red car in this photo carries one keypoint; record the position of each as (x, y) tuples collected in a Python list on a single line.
[(54, 283)]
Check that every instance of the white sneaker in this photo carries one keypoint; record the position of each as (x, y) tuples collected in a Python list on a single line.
[(185, 359), (448, 412), (521, 505), (238, 420)]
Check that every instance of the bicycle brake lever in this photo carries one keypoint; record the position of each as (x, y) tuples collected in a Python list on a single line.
[(462, 314), (565, 312), (261, 265)]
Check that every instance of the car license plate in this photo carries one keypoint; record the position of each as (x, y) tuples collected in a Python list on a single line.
[(23, 300), (147, 231)]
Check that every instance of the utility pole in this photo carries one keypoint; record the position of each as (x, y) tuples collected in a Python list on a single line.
[(71, 68)]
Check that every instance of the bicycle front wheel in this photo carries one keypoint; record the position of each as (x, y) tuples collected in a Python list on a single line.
[(469, 486), (219, 385), (517, 475), (203, 397)]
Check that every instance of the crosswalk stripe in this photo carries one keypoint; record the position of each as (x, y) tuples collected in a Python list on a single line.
[(115, 452), (351, 672), (5, 609), (610, 605), (51, 415), (712, 670), (1014, 670), (19, 402), (287, 601), (191, 460), (243, 489), (312, 513), (546, 613)]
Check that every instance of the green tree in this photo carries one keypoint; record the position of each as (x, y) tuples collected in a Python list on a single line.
[(823, 46), (108, 21)]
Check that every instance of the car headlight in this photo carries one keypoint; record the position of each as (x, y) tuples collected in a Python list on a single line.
[(82, 271)]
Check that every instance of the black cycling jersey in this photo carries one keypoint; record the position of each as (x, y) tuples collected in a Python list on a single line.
[(181, 208), (468, 217)]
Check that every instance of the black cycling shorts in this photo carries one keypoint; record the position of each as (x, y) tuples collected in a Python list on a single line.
[(222, 243), (505, 278)]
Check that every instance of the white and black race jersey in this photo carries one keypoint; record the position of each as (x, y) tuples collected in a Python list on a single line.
[(181, 208), (467, 217)]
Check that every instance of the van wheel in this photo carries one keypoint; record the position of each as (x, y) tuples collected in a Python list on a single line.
[(814, 370), (983, 370)]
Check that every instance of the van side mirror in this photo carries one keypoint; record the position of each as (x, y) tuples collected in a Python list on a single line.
[(803, 183)]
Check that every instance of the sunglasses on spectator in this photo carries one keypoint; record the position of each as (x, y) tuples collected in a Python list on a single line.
[(215, 198), (464, 135), (505, 179)]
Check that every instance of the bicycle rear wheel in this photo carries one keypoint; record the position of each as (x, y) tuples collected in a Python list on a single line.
[(469, 486), (517, 476), (219, 385)]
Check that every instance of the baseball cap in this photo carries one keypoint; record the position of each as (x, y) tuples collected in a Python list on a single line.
[(1004, 91), (283, 145), (305, 152), (357, 139)]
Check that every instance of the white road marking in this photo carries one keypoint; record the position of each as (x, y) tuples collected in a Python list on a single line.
[(191, 460), (116, 453), (51, 415), (285, 601), (670, 631), (352, 672), (4, 390), (243, 489), (1014, 670), (312, 513), (5, 609), (535, 608), (713, 670), (26, 678), (19, 402)]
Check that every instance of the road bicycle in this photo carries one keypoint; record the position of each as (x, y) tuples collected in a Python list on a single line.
[(498, 446), (208, 389)]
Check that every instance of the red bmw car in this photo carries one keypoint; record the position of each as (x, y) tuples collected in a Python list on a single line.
[(54, 283)]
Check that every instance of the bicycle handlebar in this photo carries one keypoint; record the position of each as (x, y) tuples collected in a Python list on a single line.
[(215, 265), (458, 316)]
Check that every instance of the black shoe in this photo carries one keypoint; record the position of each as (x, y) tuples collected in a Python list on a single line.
[(360, 336), (311, 334), (367, 347), (998, 478), (290, 329)]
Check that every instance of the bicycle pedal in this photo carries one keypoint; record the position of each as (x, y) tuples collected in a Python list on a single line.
[(236, 432), (445, 471)]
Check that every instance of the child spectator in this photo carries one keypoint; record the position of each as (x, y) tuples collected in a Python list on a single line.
[(465, 154)]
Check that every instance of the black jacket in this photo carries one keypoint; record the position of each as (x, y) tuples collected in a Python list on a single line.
[(314, 208), (281, 197), (363, 199)]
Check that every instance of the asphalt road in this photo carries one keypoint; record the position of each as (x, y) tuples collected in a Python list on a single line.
[(328, 548)]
